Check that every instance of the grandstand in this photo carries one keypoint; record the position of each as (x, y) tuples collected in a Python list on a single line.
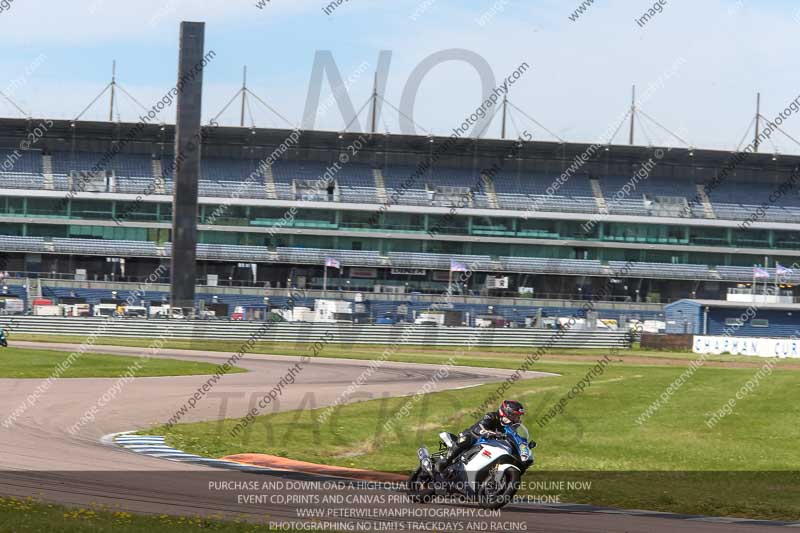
[(522, 223)]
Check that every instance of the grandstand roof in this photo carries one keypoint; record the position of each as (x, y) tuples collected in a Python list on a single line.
[(224, 140)]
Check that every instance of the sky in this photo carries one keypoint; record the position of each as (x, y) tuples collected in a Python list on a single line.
[(697, 65)]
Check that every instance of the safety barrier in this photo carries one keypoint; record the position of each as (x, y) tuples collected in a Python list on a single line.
[(337, 333)]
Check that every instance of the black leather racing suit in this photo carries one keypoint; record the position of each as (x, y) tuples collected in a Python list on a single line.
[(489, 423)]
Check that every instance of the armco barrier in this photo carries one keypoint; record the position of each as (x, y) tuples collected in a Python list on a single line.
[(305, 332)]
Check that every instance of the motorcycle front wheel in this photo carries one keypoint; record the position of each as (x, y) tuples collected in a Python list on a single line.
[(420, 486), (494, 494)]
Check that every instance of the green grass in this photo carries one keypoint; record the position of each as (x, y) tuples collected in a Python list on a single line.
[(24, 363), (29, 516), (672, 462), (500, 357), (746, 466)]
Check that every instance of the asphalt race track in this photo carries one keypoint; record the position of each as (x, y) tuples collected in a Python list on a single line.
[(38, 456)]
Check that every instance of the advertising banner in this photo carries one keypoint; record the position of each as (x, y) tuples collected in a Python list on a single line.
[(755, 346)]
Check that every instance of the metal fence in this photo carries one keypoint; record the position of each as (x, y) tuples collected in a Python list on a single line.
[(305, 332)]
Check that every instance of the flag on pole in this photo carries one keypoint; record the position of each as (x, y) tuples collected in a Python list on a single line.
[(333, 263), (457, 266), (782, 270), (760, 273)]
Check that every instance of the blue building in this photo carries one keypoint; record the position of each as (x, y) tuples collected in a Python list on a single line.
[(714, 317)]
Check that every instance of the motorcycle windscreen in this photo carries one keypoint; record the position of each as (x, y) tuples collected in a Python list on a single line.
[(522, 431)]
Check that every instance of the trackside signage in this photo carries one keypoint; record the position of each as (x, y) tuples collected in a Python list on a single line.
[(755, 346)]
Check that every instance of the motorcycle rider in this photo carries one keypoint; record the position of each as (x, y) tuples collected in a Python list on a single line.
[(3, 337), (492, 423)]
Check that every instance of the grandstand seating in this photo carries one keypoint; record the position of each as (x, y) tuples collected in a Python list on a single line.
[(368, 258), (224, 189), (316, 256), (355, 183), (354, 194), (126, 165), (105, 247), (225, 252), (661, 270), (411, 190), (217, 169), (26, 172), (652, 187), (533, 265), (9, 243), (738, 193), (17, 291), (93, 296), (536, 191), (132, 185), (737, 200), (438, 261), (642, 199)]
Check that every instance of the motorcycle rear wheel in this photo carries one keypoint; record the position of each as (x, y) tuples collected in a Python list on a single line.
[(419, 486)]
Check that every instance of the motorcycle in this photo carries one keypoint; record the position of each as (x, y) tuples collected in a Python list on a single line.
[(488, 473)]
